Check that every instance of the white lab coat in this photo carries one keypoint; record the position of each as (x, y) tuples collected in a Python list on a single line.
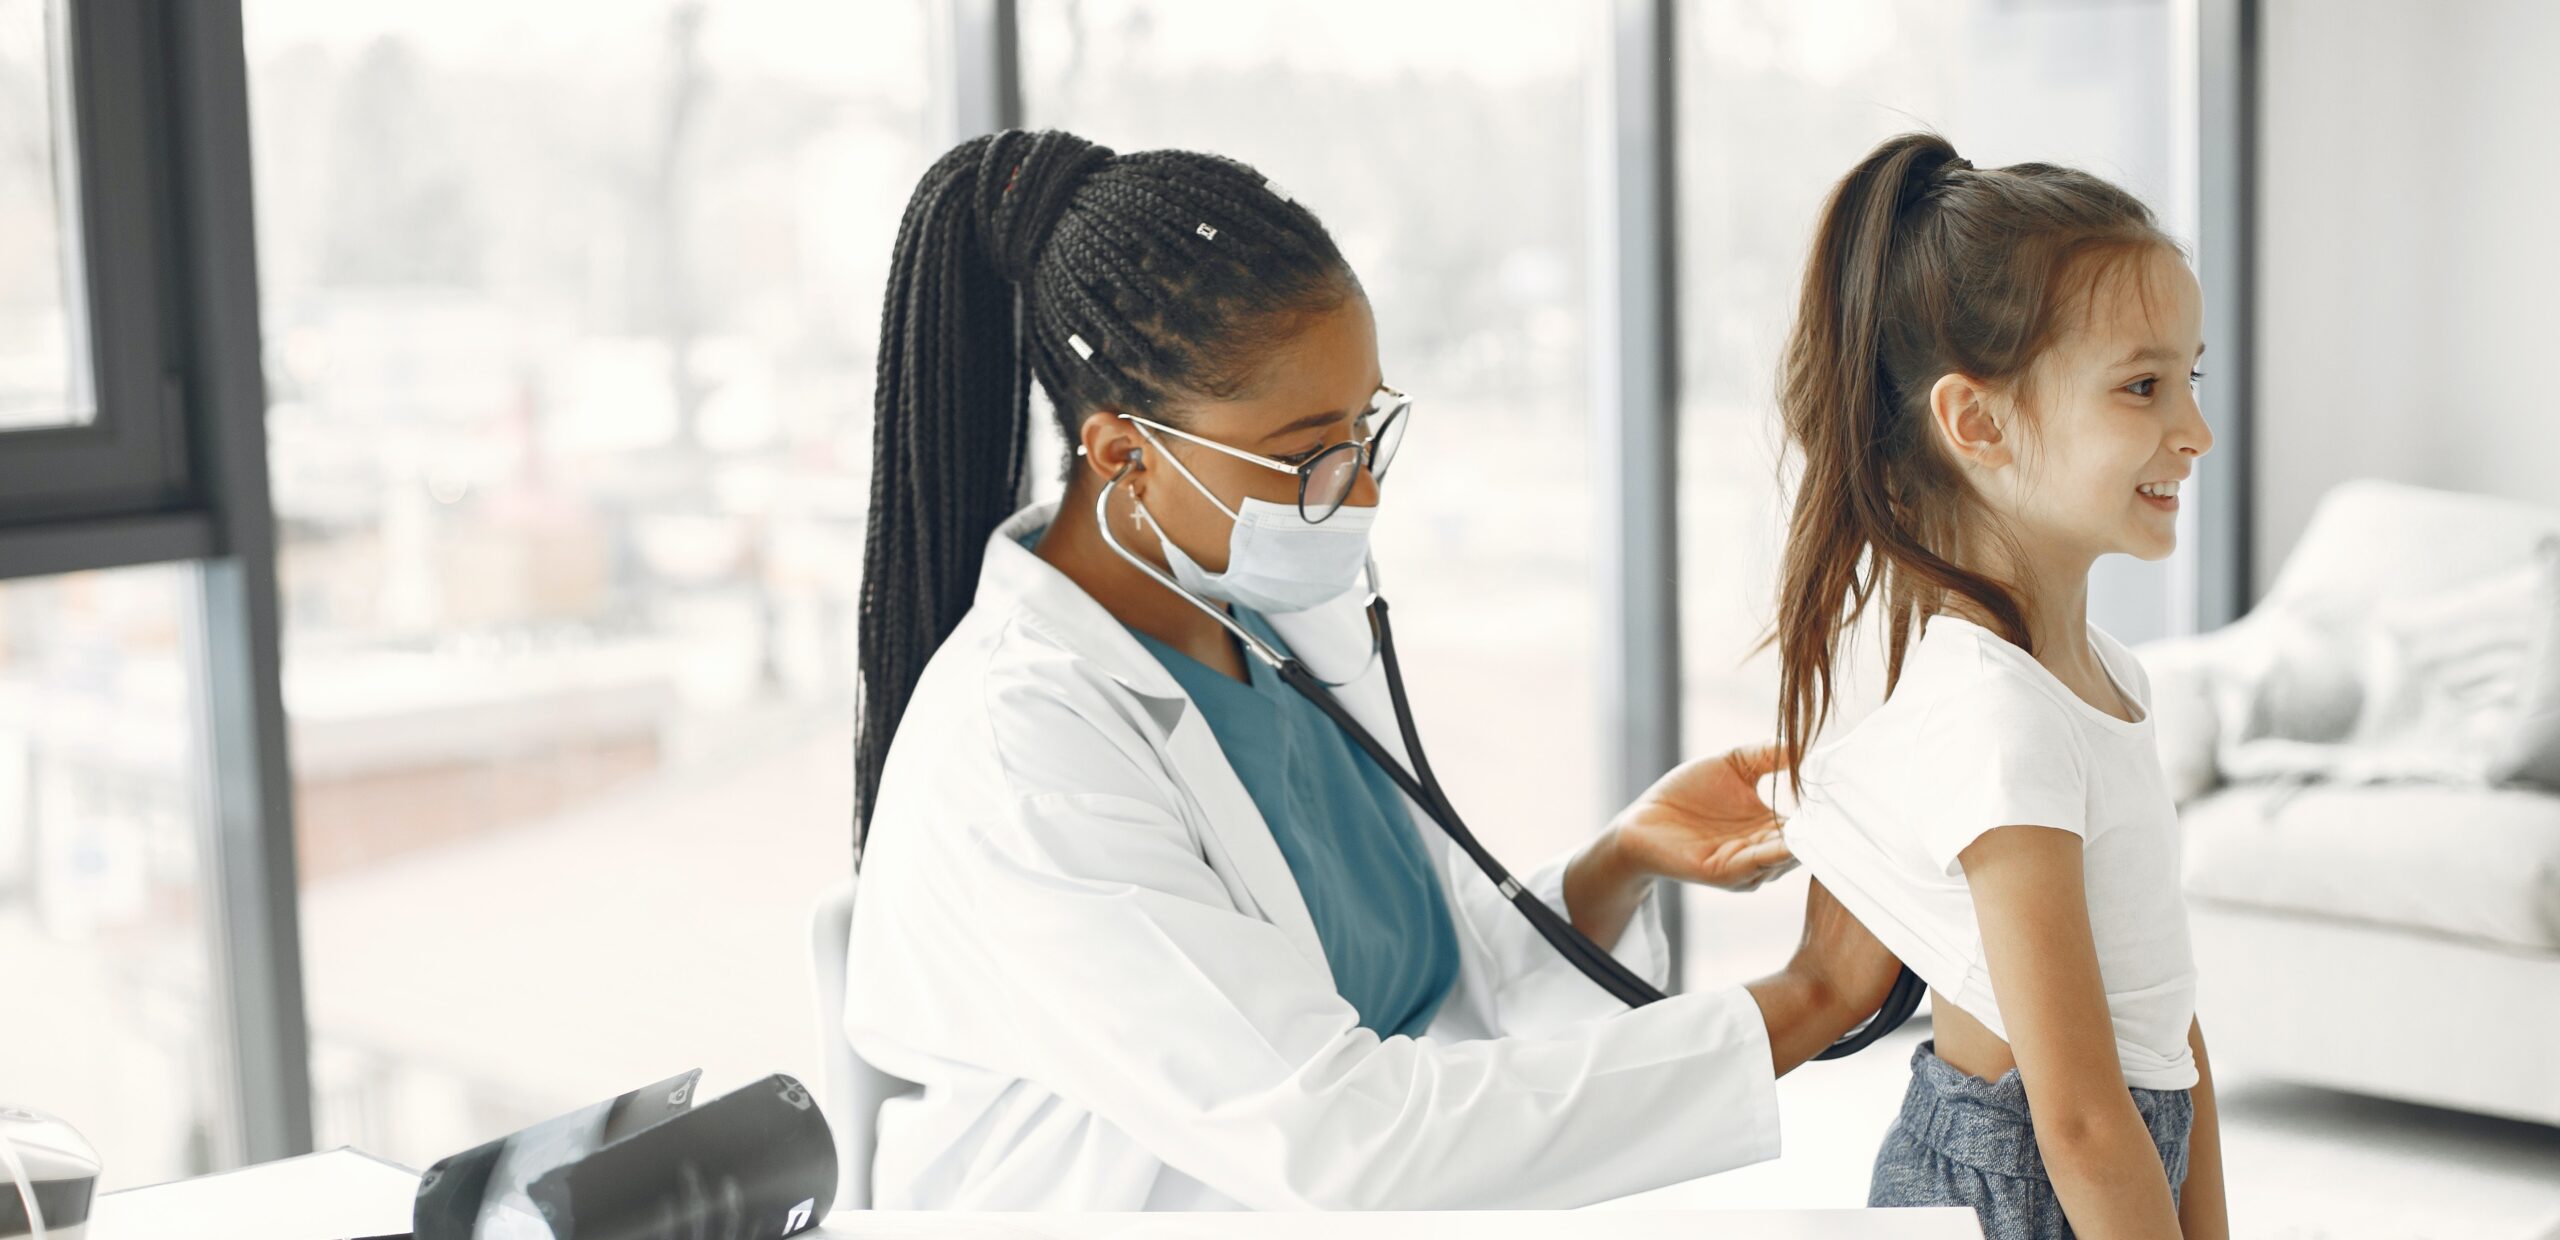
[(1076, 932)]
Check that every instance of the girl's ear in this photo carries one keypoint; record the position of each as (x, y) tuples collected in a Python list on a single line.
[(1968, 420)]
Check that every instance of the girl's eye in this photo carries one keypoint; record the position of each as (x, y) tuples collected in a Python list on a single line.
[(2142, 387), (1302, 458)]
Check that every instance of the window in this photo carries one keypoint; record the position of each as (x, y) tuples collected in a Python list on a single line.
[(44, 330), (1444, 145), (103, 896), (570, 317), (1777, 99)]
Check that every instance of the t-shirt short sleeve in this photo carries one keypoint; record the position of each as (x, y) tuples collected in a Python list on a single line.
[(1995, 752)]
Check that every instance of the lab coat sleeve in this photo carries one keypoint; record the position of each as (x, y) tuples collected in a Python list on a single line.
[(1105, 960), (1530, 988)]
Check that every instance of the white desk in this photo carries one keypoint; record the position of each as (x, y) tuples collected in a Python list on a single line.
[(344, 1192), (1442, 1225), (336, 1193)]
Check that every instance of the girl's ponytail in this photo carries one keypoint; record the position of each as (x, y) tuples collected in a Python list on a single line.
[(1921, 266), (951, 407)]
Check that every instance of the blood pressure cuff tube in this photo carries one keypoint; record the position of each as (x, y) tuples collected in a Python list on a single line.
[(758, 1162)]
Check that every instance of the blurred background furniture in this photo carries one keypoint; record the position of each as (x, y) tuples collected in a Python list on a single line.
[(2373, 871), (850, 1090)]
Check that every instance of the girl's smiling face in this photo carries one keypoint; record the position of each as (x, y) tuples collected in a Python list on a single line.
[(2115, 426)]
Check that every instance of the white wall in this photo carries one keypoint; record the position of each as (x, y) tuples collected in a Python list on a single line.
[(2409, 253)]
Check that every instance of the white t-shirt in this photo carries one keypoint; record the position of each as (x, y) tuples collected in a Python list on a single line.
[(1978, 735)]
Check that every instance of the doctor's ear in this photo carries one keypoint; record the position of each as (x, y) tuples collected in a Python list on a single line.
[(1106, 440), (1971, 421)]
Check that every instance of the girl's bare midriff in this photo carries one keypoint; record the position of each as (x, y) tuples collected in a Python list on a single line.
[(1967, 1044)]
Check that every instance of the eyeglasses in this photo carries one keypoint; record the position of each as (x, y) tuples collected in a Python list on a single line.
[(1325, 480)]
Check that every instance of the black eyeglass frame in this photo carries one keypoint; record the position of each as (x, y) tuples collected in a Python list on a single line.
[(1387, 428)]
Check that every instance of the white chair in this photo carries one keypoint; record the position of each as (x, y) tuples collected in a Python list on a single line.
[(850, 1090)]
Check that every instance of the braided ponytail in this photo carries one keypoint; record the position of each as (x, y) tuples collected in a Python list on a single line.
[(1028, 255)]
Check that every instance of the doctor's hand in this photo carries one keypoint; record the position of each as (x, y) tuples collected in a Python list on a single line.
[(1703, 822)]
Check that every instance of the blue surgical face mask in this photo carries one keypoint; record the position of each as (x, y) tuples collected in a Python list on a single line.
[(1277, 560)]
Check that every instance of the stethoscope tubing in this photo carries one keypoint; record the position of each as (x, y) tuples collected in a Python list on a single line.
[(1418, 783)]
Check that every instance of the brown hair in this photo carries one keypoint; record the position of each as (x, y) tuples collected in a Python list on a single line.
[(1922, 266)]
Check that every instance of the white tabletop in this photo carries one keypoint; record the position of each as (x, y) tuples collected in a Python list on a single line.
[(1441, 1225), (345, 1192), (336, 1194)]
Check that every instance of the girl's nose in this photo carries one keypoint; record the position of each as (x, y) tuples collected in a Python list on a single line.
[(2194, 437)]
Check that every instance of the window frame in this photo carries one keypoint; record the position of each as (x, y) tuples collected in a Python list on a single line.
[(172, 469), (130, 457)]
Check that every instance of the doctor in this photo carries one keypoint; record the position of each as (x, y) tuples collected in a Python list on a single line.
[(1146, 927)]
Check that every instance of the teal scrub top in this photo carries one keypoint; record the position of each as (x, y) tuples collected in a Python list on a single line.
[(1367, 879)]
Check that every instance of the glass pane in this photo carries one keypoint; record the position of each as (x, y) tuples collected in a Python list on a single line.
[(1778, 99), (572, 315), (104, 959), (44, 320), (1443, 143)]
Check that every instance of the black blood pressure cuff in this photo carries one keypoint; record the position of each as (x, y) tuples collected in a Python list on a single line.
[(646, 1165)]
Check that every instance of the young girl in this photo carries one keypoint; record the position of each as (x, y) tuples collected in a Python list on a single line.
[(1989, 385)]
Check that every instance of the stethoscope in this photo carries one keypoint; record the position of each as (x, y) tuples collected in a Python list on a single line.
[(1420, 784)]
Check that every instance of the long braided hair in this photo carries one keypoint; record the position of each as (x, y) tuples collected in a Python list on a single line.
[(1132, 283)]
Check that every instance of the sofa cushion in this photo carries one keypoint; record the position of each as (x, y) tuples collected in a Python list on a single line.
[(2480, 863), (2444, 691), (2531, 751), (2370, 542)]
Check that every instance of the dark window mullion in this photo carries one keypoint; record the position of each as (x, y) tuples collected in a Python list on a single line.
[(128, 459)]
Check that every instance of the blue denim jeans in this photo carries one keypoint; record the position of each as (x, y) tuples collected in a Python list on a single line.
[(1965, 1141)]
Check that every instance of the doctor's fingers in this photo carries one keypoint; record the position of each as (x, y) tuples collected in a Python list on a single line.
[(1778, 871), (1768, 853), (1764, 847), (1767, 847), (1735, 865), (1753, 762)]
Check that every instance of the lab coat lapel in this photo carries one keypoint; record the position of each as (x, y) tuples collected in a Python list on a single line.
[(1241, 841), (1237, 828)]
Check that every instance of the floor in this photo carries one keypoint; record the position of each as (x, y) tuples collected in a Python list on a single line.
[(2302, 1164)]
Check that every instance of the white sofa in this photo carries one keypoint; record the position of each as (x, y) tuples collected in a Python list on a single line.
[(2371, 911)]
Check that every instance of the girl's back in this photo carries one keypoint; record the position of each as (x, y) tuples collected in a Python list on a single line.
[(1976, 736)]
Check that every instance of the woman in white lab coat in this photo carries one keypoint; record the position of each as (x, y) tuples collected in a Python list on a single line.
[(1147, 937)]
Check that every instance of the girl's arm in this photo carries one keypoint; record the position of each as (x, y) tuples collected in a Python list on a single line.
[(2202, 1214), (2029, 898)]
